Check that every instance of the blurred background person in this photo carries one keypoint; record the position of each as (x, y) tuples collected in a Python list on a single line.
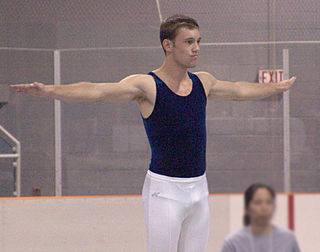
[(258, 233)]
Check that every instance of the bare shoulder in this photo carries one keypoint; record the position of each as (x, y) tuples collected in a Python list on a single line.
[(137, 79), (147, 91), (205, 76), (144, 84), (207, 79)]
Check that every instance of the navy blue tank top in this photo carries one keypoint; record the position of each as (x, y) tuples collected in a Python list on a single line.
[(176, 131)]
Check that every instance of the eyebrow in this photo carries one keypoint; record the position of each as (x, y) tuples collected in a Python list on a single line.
[(191, 38)]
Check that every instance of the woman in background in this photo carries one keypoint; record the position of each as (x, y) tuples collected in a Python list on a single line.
[(258, 233)]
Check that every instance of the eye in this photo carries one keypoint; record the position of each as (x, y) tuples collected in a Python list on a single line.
[(257, 202), (270, 202), (189, 42)]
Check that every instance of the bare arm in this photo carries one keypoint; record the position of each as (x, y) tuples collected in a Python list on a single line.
[(241, 91), (128, 89)]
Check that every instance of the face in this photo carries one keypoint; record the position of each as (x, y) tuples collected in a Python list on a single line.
[(261, 207), (184, 49)]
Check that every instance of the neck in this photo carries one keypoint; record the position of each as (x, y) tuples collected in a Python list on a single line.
[(258, 229), (176, 73)]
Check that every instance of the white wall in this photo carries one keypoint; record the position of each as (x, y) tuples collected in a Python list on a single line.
[(307, 222), (117, 223), (72, 224)]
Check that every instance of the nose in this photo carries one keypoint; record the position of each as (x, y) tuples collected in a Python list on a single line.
[(196, 48)]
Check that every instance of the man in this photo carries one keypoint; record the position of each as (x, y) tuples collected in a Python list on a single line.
[(172, 102)]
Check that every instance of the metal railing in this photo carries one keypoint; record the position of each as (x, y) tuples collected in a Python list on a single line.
[(16, 156)]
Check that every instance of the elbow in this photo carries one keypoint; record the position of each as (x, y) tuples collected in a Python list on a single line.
[(245, 94), (241, 93)]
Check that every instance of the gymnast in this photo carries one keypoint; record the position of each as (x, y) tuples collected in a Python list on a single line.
[(172, 102)]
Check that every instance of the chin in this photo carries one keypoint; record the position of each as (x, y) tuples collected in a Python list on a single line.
[(264, 221), (192, 65), (188, 65)]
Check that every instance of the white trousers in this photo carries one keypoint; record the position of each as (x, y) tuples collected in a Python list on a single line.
[(176, 212)]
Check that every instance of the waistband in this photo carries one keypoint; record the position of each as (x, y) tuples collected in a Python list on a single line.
[(175, 179)]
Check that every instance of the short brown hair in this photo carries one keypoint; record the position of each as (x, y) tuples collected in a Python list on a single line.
[(169, 27)]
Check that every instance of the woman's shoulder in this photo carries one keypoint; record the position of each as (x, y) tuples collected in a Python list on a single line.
[(283, 232), (235, 240), (242, 234), (237, 235), (286, 237)]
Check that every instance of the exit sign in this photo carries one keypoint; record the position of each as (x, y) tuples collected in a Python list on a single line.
[(270, 76)]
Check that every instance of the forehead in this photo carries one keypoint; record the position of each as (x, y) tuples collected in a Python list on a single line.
[(185, 32), (262, 193)]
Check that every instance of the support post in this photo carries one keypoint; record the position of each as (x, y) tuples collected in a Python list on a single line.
[(286, 142), (286, 125), (57, 127)]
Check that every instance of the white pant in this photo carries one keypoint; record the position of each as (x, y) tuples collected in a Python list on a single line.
[(176, 212)]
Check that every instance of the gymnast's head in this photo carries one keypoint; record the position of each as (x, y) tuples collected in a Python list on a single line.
[(259, 202), (180, 37)]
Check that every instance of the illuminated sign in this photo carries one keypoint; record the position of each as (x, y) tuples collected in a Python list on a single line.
[(270, 76)]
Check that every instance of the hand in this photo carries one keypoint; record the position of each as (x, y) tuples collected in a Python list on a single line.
[(35, 88), (284, 85)]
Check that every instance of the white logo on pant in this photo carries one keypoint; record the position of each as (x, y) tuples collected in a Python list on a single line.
[(155, 194)]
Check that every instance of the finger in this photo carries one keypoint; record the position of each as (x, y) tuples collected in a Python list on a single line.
[(291, 81), (35, 85), (18, 89), (15, 87), (21, 87), (24, 86)]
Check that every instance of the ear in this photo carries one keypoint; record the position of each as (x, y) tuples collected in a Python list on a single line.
[(167, 45)]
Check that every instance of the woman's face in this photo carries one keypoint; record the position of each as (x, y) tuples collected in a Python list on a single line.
[(261, 207)]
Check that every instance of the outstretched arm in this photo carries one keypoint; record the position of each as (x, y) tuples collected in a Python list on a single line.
[(241, 91), (128, 89)]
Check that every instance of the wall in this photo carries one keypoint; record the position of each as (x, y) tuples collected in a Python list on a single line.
[(117, 223), (105, 150)]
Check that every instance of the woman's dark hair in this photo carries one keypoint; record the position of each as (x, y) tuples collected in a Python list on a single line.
[(169, 27), (249, 194)]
